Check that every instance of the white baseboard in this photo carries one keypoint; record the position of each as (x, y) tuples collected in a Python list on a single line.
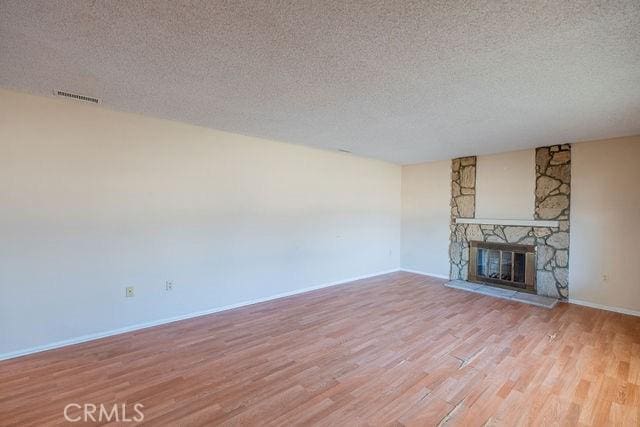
[(571, 300), (104, 334), (439, 276), (605, 307)]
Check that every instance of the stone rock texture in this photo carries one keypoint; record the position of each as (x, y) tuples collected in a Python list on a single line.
[(463, 205), (463, 188), (553, 182), (552, 202), (559, 240), (562, 258), (545, 185), (545, 283), (543, 256), (516, 234), (466, 206)]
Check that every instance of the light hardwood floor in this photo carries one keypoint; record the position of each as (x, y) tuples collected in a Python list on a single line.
[(395, 349)]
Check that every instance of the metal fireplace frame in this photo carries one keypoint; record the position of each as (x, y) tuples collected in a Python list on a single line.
[(530, 265)]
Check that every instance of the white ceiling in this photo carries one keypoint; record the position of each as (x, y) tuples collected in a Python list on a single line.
[(403, 81)]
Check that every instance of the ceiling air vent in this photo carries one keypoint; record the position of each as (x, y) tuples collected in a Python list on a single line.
[(76, 96)]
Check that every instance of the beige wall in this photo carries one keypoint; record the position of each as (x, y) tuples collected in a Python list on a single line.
[(426, 193), (605, 223), (505, 185), (94, 200), (605, 211)]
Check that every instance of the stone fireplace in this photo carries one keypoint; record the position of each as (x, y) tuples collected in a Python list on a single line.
[(547, 233)]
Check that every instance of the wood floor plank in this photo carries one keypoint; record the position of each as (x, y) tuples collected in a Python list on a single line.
[(397, 349)]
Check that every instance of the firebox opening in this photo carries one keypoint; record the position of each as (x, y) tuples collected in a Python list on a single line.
[(502, 264)]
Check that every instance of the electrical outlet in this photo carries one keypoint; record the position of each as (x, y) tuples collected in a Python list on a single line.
[(169, 285), (128, 292)]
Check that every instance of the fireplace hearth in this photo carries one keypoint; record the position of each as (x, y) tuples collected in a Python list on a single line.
[(505, 265)]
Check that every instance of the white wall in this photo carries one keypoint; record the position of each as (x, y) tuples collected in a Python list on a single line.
[(604, 266), (92, 201), (426, 194), (505, 185)]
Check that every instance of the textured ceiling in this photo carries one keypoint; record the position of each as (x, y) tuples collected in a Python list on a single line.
[(404, 81)]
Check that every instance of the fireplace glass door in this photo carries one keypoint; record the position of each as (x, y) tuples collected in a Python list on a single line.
[(505, 265)]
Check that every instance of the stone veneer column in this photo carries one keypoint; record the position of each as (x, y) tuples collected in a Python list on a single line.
[(463, 205), (553, 201)]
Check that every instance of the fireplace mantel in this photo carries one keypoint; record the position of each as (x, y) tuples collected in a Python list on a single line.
[(514, 222)]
